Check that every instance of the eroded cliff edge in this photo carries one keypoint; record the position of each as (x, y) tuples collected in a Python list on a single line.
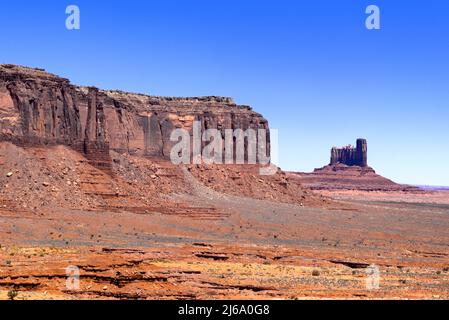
[(37, 108)]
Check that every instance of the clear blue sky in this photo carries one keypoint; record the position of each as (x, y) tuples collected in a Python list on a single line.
[(310, 67)]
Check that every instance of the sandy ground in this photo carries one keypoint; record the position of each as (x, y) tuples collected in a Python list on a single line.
[(246, 249), (425, 197), (156, 231)]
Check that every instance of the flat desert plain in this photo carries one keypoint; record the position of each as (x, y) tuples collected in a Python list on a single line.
[(242, 249)]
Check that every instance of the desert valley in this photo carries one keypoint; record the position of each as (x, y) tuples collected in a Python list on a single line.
[(87, 186)]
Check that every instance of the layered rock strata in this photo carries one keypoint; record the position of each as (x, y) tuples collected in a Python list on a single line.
[(351, 156), (38, 108)]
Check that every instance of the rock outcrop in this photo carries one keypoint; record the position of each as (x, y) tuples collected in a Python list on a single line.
[(66, 146), (38, 108), (351, 156), (348, 170)]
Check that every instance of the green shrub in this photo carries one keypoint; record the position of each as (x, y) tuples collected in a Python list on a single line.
[(12, 294)]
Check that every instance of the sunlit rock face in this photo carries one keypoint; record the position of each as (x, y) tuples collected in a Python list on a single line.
[(350, 156), (40, 108)]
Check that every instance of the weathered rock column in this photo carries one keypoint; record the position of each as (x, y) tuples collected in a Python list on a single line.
[(362, 152), (95, 124), (96, 146), (335, 156)]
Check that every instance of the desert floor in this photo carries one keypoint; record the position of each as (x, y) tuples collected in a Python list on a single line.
[(247, 249)]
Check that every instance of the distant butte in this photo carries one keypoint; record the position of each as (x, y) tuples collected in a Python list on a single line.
[(348, 170), (351, 156)]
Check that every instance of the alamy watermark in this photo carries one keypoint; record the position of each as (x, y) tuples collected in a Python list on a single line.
[(73, 278), (235, 146), (229, 146), (372, 22), (73, 21), (372, 281)]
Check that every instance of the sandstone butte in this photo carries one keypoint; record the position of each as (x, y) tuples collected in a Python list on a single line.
[(348, 170)]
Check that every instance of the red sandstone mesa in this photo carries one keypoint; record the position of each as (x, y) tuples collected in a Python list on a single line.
[(40, 108), (54, 125)]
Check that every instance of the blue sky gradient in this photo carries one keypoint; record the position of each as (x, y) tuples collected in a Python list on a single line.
[(310, 67)]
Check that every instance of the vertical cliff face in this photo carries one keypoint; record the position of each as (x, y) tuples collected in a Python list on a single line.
[(362, 153), (351, 156), (39, 108), (142, 125)]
